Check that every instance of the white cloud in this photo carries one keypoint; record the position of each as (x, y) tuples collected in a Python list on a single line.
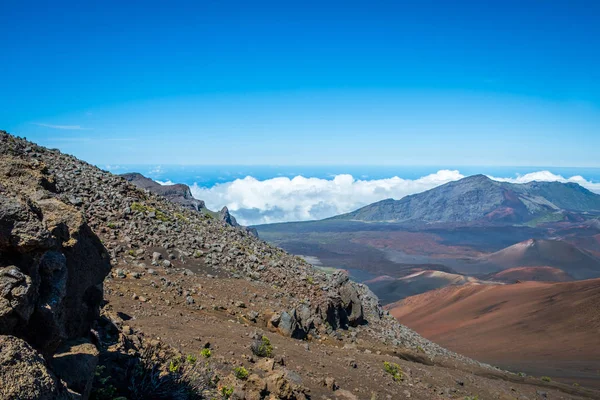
[(167, 182), (64, 127), (298, 199), (282, 199)]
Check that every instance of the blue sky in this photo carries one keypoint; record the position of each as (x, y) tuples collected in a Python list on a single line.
[(327, 82)]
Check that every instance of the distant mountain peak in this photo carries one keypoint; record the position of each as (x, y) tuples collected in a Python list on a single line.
[(476, 178)]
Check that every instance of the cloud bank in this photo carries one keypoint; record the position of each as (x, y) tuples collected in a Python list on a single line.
[(282, 199)]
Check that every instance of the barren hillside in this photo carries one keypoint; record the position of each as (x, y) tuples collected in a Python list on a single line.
[(544, 328)]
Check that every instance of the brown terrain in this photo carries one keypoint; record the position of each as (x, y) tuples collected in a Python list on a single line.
[(578, 263), (550, 329), (540, 274), (194, 308)]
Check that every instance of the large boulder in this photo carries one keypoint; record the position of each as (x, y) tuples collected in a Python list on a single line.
[(344, 304), (351, 301), (24, 374)]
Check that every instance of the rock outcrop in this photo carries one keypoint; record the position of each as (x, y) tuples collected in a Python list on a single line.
[(52, 268), (177, 193), (53, 265), (229, 219)]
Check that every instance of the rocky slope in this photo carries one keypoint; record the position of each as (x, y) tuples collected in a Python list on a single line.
[(181, 194), (202, 309), (479, 199)]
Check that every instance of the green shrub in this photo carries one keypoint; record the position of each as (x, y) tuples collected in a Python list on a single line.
[(262, 347), (138, 207), (240, 373), (161, 216), (112, 225), (393, 369), (174, 365), (226, 391), (191, 359), (180, 217), (205, 353), (546, 379)]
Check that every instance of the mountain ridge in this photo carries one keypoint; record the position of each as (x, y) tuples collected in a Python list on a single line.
[(480, 199)]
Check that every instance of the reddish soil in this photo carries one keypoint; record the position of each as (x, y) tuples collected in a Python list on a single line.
[(540, 274), (578, 263), (540, 328)]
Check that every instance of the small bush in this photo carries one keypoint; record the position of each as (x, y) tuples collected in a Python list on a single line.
[(112, 225), (522, 374), (138, 207), (205, 353), (262, 347), (161, 216), (546, 379), (226, 391), (153, 377), (393, 369), (180, 217), (191, 359), (240, 373), (174, 365)]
